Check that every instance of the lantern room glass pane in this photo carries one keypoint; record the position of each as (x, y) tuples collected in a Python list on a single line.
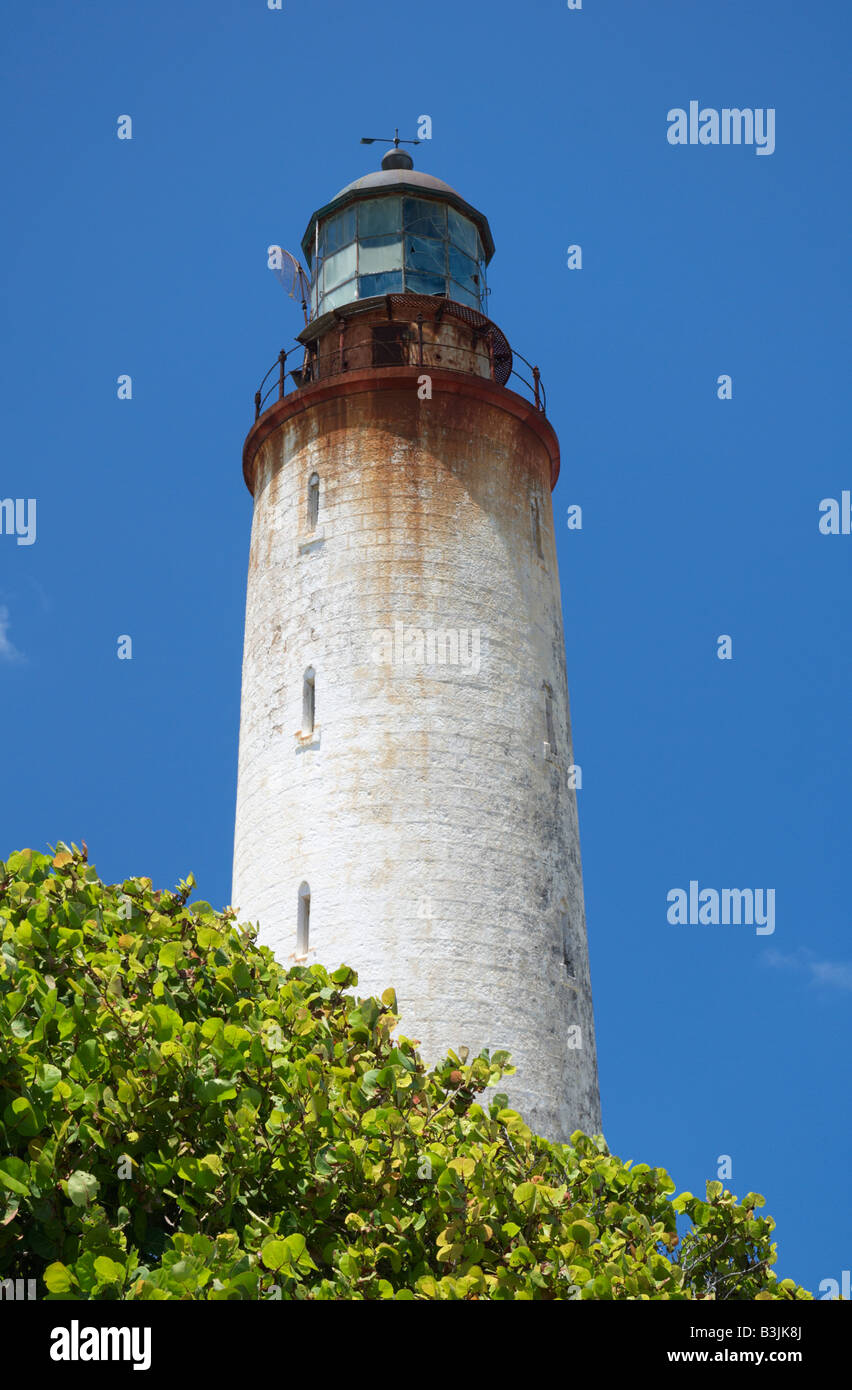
[(463, 269), (379, 216), (424, 218), (428, 257), (379, 253), (340, 266), (342, 295), (425, 284), (464, 296), (387, 282), (338, 231), (463, 233)]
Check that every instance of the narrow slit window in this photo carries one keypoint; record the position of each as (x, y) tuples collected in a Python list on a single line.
[(303, 920), (548, 717), (313, 500), (535, 517), (309, 701), (567, 949)]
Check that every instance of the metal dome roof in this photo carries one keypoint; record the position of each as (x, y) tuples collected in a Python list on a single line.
[(393, 178), (399, 181)]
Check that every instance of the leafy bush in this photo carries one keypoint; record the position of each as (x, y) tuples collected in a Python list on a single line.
[(180, 1117)]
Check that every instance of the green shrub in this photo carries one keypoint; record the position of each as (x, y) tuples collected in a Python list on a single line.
[(180, 1117)]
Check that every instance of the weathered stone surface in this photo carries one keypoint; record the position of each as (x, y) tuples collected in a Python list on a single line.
[(436, 830)]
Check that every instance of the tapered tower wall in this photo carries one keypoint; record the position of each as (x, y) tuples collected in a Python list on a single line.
[(430, 811)]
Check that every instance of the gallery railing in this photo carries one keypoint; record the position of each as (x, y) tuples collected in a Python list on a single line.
[(489, 357)]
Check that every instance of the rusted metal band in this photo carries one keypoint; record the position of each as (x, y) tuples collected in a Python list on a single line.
[(353, 383)]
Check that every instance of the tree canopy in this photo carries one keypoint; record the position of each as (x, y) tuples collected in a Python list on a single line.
[(182, 1117)]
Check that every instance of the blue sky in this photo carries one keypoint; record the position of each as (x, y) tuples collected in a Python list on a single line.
[(700, 516)]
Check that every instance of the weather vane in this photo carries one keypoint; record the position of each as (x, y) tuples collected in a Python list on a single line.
[(385, 140)]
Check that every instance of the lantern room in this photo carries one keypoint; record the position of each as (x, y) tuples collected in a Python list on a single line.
[(394, 231)]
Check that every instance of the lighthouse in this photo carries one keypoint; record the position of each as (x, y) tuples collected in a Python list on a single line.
[(406, 797)]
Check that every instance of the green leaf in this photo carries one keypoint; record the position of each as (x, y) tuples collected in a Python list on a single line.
[(87, 1056), (525, 1196), (583, 1232), (108, 1271), (82, 1187), (219, 1088), (23, 1116), (14, 1174), (275, 1254), (58, 1278), (170, 953), (297, 1246), (9, 1206)]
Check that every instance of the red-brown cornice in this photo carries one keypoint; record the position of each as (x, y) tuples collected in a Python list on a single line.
[(452, 383)]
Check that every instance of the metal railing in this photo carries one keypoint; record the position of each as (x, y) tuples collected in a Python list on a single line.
[(265, 396), (536, 386), (408, 349)]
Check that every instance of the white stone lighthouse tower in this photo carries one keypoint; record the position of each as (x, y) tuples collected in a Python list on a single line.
[(405, 800)]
